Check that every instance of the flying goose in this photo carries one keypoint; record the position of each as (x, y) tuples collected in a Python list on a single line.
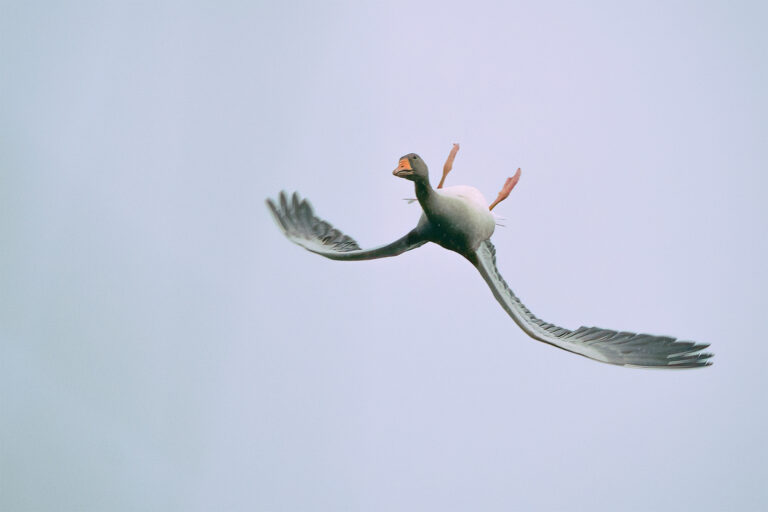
[(459, 219)]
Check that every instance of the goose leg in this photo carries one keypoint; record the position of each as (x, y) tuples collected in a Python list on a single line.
[(506, 189), (448, 164)]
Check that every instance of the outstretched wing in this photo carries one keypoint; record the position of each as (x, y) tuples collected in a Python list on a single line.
[(614, 347), (299, 224)]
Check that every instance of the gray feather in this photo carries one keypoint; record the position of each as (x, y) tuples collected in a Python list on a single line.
[(608, 346), (299, 224)]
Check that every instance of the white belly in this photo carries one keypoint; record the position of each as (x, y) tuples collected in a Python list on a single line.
[(468, 194)]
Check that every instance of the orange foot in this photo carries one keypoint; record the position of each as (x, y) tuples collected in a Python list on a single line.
[(448, 164), (506, 189)]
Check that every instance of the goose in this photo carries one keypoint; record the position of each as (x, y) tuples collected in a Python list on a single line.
[(459, 219)]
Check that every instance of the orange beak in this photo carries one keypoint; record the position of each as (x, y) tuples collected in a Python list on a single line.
[(403, 168)]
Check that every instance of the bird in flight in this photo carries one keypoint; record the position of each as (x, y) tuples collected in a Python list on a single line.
[(459, 219)]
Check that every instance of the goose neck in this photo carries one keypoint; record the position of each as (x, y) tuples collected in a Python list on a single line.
[(424, 193)]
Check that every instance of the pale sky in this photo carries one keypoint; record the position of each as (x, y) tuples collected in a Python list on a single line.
[(164, 347)]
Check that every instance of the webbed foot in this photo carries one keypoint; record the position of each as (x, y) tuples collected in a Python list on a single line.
[(448, 164), (506, 189)]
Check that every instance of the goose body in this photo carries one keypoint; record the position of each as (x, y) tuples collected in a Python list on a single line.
[(458, 219)]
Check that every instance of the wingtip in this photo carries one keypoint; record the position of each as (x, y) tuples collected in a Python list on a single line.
[(279, 210), (694, 359)]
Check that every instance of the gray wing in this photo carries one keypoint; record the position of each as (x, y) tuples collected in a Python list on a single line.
[(607, 346), (296, 219)]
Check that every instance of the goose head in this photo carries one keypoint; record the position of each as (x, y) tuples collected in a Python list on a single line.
[(412, 167)]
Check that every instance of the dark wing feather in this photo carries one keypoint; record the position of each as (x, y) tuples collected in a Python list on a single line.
[(299, 224), (605, 345)]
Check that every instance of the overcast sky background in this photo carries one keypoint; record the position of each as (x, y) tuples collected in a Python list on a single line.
[(163, 347)]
